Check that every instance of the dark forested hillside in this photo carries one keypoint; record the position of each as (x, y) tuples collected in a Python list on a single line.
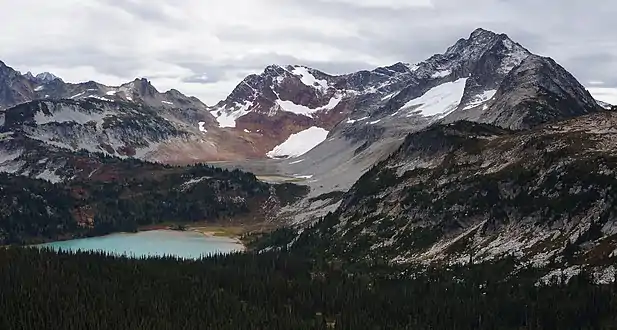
[(45, 290), (32, 208), (36, 210), (465, 190)]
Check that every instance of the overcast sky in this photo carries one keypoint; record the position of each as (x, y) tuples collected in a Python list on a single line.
[(205, 47)]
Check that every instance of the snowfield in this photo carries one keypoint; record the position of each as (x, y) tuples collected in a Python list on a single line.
[(298, 109), (228, 118), (308, 79), (438, 101), (300, 143)]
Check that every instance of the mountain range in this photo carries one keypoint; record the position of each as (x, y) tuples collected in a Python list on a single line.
[(403, 162)]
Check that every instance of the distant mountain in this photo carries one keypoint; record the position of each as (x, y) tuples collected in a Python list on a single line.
[(348, 122), (46, 77), (17, 88)]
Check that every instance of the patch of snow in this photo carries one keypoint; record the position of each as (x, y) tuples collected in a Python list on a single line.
[(334, 101), (39, 88), (351, 121), (227, 117), (299, 143), (201, 127), (294, 108), (78, 95), (290, 106), (99, 98), (296, 162), (92, 173), (50, 176), (46, 96), (389, 96), (480, 98), (441, 74), (167, 102), (374, 122), (308, 79), (246, 131), (298, 176), (111, 93), (129, 98), (438, 101), (191, 182)]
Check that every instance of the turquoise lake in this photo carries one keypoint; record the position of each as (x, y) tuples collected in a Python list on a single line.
[(182, 244)]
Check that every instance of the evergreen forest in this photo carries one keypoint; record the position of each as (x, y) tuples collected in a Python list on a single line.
[(42, 289)]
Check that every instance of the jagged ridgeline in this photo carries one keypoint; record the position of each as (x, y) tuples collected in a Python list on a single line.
[(142, 194)]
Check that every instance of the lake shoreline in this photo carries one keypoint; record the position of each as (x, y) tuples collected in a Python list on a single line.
[(232, 232), (184, 244)]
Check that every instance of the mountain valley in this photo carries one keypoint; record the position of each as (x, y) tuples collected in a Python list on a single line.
[(484, 152)]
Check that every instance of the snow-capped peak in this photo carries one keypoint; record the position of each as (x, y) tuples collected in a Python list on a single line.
[(46, 77)]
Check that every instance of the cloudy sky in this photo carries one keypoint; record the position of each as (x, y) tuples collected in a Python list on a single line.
[(205, 47)]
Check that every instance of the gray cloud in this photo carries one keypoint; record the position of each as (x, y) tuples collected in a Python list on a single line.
[(204, 48), (147, 11)]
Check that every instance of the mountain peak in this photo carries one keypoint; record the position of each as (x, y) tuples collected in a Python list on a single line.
[(46, 77), (480, 32), (479, 39), (141, 81), (274, 70), (29, 76)]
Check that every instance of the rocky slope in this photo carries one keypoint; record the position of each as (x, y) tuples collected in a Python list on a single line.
[(464, 191)]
